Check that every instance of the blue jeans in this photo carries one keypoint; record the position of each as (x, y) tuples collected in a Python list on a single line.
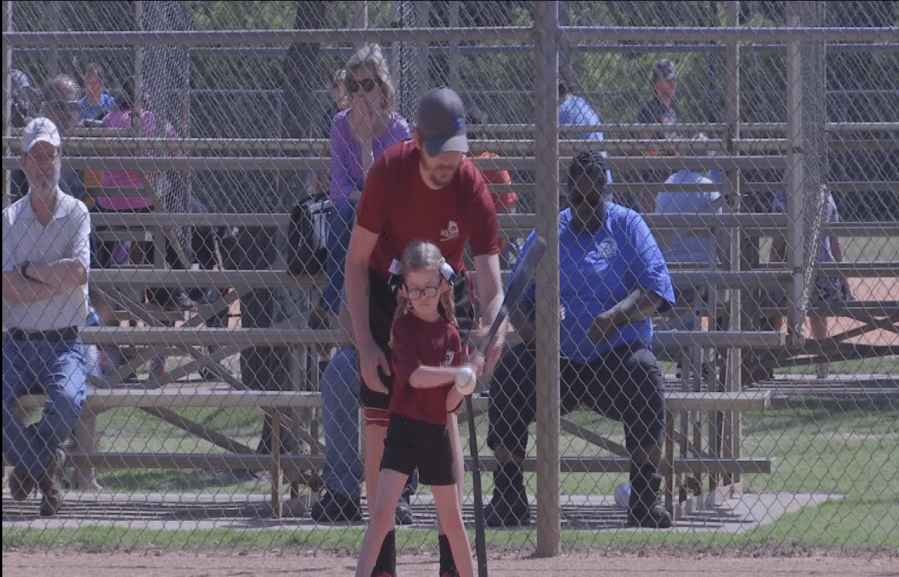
[(59, 369), (343, 216), (340, 419)]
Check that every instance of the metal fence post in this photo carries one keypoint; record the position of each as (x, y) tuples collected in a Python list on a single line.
[(546, 146), (794, 178), (7, 81)]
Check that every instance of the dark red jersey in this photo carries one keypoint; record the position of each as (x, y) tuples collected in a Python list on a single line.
[(419, 343), (398, 206)]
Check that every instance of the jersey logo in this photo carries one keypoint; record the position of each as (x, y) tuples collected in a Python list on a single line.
[(450, 232), (606, 248), (448, 361)]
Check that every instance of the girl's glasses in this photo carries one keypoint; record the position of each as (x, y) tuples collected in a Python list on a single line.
[(427, 292), (366, 84)]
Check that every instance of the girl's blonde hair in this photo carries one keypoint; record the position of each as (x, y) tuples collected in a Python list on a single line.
[(372, 56), (424, 255)]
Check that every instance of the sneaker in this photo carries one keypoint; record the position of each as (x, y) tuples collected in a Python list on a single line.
[(653, 517), (404, 514), (507, 512), (21, 485), (49, 486), (179, 301), (157, 368), (335, 507), (210, 296)]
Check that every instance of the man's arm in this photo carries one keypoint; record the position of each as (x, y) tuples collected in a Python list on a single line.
[(62, 275), (71, 270), (490, 294), (362, 244), (19, 289), (639, 305)]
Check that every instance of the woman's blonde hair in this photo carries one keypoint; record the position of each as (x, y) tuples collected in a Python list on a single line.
[(372, 56), (339, 79), (424, 255)]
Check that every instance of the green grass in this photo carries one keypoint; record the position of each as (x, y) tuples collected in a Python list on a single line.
[(845, 448)]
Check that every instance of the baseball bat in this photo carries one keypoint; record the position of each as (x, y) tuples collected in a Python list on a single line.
[(517, 284)]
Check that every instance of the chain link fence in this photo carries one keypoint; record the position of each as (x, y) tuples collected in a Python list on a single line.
[(744, 185)]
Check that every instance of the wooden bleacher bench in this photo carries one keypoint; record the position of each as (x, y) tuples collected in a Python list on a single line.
[(296, 466)]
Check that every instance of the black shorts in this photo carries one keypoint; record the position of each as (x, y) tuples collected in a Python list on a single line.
[(382, 306), (410, 444)]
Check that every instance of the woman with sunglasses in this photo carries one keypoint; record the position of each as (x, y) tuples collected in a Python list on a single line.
[(359, 135)]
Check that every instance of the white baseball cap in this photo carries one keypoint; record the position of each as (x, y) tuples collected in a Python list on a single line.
[(40, 129)]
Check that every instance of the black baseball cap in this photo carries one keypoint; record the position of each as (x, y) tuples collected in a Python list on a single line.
[(441, 121), (664, 70)]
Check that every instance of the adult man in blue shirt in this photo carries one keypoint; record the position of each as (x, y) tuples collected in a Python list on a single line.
[(612, 280)]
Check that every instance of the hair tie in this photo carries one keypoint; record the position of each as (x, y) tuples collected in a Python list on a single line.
[(447, 271)]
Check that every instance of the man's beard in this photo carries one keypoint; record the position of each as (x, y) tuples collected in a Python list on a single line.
[(441, 174), (45, 183)]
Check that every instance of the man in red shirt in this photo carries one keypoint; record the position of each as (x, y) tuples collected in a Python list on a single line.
[(422, 188)]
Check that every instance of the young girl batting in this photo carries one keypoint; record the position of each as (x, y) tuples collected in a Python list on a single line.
[(430, 382)]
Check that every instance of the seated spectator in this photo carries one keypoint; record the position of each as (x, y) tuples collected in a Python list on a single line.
[(683, 245), (24, 98), (359, 136), (505, 201), (44, 307), (96, 103), (60, 105), (173, 299), (612, 280)]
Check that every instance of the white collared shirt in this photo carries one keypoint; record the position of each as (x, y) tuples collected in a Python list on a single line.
[(25, 239)]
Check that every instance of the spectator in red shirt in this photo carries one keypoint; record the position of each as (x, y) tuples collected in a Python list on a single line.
[(506, 201), (427, 357), (422, 188)]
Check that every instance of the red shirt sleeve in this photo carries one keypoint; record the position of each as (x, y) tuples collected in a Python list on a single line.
[(404, 353)]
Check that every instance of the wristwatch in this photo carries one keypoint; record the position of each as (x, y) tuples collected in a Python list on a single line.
[(24, 269)]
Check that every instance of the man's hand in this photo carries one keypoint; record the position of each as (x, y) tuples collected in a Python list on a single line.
[(370, 358), (602, 328), (494, 350)]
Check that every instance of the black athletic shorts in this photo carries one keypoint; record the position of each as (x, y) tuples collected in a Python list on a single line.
[(411, 443), (382, 306)]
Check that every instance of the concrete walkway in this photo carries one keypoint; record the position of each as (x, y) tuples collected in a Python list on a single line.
[(169, 511)]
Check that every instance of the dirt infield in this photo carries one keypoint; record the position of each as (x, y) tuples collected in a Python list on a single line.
[(867, 289), (154, 563)]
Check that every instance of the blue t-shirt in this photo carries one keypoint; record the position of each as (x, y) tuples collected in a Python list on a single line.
[(87, 111), (682, 245), (599, 269), (575, 110)]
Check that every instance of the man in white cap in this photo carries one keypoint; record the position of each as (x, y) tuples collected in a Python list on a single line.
[(422, 188), (46, 257)]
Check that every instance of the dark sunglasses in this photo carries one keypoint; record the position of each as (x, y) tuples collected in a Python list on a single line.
[(367, 85)]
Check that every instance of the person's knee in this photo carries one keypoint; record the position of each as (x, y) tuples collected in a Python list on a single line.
[(504, 455)]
